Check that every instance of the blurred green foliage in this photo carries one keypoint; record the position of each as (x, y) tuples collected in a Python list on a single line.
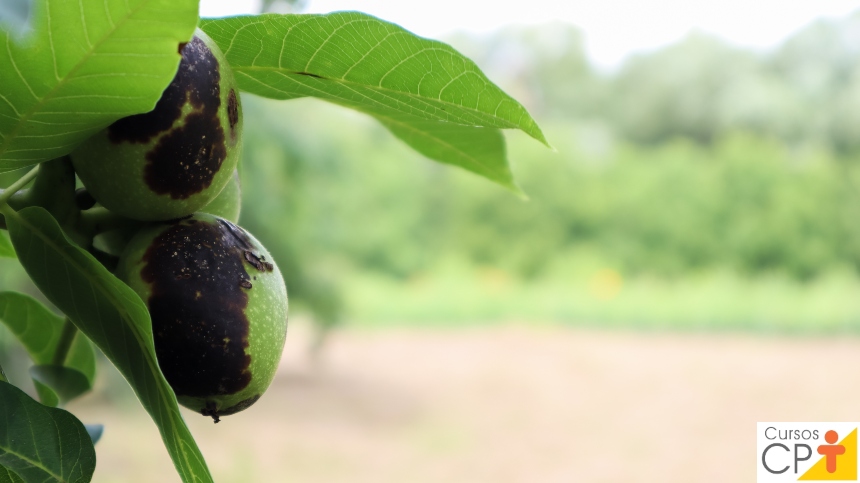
[(365, 202), (805, 91), (699, 184), (700, 161)]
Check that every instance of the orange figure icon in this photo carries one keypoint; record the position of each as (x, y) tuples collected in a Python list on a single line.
[(831, 450)]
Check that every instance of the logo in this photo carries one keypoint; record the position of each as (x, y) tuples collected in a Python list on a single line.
[(806, 452)]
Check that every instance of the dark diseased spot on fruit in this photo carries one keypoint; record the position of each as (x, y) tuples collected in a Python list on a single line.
[(240, 406), (233, 113), (240, 238), (181, 46), (245, 283), (189, 153), (186, 159), (258, 262), (194, 71), (198, 309), (211, 409)]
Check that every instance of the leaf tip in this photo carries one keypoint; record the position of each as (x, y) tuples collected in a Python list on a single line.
[(542, 139), (517, 191), (533, 129)]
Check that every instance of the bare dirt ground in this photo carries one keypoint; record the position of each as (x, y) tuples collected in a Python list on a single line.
[(505, 405)]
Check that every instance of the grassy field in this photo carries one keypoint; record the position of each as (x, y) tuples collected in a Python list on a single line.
[(601, 297), (588, 294)]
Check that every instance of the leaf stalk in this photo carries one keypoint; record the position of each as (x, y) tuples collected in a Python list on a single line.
[(18, 185), (67, 336)]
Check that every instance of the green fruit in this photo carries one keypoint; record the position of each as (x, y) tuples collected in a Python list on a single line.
[(228, 203), (113, 242), (218, 308), (174, 160)]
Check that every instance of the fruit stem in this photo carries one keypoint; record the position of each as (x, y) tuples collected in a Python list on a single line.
[(10, 196), (16, 202), (67, 336), (54, 190), (6, 194)]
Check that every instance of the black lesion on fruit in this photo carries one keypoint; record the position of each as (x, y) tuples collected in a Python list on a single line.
[(240, 238), (233, 114), (189, 153), (240, 406), (258, 262), (186, 159), (194, 71), (211, 410), (198, 308)]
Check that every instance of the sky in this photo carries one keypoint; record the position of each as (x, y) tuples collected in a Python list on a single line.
[(613, 28)]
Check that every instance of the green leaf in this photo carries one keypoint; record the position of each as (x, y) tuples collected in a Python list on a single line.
[(113, 316), (478, 149), (42, 444), (58, 385), (86, 64), (6, 250), (427, 93), (360, 61), (8, 476), (39, 329)]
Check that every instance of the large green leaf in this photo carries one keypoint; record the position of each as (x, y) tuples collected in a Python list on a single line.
[(112, 315), (58, 384), (478, 149), (426, 92), (38, 329), (8, 476), (42, 444), (86, 64), (361, 61), (6, 250)]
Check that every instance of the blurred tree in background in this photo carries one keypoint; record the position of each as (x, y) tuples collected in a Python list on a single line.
[(690, 161)]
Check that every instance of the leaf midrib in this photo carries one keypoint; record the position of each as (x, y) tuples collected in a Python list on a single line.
[(147, 354), (33, 109), (245, 69)]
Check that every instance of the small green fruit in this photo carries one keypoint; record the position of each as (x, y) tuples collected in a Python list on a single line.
[(228, 203), (218, 306), (174, 160)]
